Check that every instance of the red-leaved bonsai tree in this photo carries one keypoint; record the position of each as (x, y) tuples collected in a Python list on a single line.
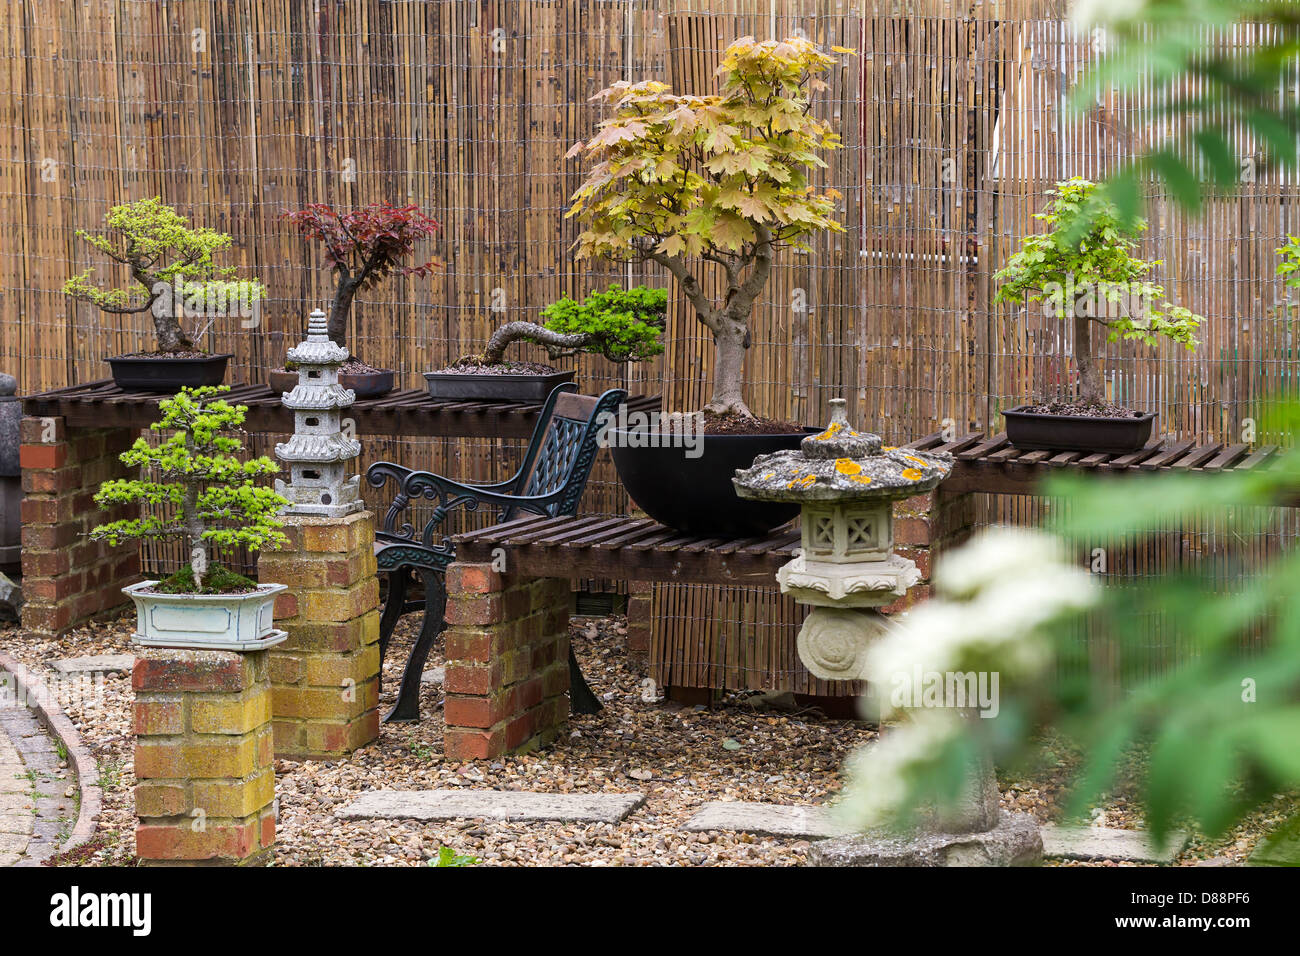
[(363, 247), (719, 179)]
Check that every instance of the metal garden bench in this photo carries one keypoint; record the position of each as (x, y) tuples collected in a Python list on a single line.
[(549, 483)]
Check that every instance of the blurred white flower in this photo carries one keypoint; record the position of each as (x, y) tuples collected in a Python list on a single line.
[(877, 776), (1086, 14), (996, 595)]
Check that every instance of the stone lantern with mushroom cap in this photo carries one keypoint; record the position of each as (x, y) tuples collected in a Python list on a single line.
[(845, 482)]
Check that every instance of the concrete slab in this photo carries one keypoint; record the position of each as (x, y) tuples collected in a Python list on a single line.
[(98, 664), (765, 819), (1107, 843), (491, 805), (1279, 848)]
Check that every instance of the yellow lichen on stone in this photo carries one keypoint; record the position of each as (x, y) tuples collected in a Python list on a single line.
[(847, 466), (861, 479), (912, 474)]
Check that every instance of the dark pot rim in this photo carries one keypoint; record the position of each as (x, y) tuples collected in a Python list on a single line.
[(496, 376), (1022, 411), (208, 357)]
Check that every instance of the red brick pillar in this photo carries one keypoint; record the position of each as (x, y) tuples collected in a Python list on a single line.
[(67, 578), (924, 526), (507, 656), (205, 782), (639, 597), (325, 677)]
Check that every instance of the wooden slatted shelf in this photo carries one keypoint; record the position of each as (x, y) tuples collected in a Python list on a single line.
[(410, 412)]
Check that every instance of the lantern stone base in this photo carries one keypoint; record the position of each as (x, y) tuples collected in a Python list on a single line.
[(1014, 841), (833, 642), (859, 584)]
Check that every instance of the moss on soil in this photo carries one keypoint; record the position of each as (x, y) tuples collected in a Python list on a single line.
[(218, 580)]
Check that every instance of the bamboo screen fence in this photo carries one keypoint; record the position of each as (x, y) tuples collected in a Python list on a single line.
[(953, 120)]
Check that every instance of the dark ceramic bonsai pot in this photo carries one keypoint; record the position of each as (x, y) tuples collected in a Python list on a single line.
[(364, 384), (166, 373), (1038, 431), (456, 386), (695, 495)]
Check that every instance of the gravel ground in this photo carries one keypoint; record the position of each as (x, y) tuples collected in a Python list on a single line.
[(680, 757)]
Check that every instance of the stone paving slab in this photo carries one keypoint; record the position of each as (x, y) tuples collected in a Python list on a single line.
[(97, 664), (1279, 848), (1107, 843), (491, 805), (765, 819)]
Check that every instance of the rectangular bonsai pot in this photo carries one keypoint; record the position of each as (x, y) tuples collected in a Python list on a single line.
[(218, 622), (1036, 431), (453, 386), (167, 374)]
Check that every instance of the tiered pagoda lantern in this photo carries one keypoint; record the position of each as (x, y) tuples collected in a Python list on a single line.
[(318, 453)]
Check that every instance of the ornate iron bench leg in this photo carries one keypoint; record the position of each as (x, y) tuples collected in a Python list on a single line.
[(399, 580), (435, 607), (581, 699)]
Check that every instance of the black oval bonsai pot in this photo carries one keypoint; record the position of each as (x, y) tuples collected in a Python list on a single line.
[(166, 373), (459, 386), (695, 495), (1038, 431), (364, 384)]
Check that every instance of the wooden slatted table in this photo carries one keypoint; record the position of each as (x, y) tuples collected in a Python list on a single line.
[(410, 412)]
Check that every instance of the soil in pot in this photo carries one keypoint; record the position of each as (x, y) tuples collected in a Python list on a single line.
[(689, 488), (168, 371), (1075, 426), (503, 381), (218, 580)]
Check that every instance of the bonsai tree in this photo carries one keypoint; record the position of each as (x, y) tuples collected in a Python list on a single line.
[(1095, 281), (363, 247), (621, 326), (170, 264), (723, 179), (205, 495)]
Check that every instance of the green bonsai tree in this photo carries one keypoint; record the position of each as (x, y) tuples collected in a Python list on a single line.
[(720, 179), (1094, 280), (205, 496), (171, 268), (622, 326)]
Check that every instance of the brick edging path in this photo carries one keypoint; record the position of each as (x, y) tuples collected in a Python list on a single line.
[(28, 688)]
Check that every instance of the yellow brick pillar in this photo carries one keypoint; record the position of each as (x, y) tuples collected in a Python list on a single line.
[(325, 677), (205, 783)]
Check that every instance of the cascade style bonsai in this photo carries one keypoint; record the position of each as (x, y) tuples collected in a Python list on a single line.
[(621, 326), (1095, 281), (171, 267), (720, 179), (363, 247), (204, 494)]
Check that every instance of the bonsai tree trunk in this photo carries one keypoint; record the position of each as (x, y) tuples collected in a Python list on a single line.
[(511, 332), (194, 535), (338, 318), (1092, 386), (730, 341), (170, 336)]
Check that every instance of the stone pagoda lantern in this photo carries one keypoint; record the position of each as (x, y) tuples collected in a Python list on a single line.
[(845, 482), (318, 452)]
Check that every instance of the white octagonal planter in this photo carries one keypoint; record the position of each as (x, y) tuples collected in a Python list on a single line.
[(219, 622)]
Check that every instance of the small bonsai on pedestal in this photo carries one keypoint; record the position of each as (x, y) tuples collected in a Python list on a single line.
[(621, 326), (172, 275), (1089, 275), (363, 247), (204, 495)]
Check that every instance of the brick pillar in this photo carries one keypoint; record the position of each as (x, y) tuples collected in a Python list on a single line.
[(507, 656), (205, 783), (67, 578), (325, 677), (638, 622), (924, 526)]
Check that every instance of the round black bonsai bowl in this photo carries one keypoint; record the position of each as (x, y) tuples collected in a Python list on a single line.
[(364, 384), (459, 386), (1038, 431), (166, 373), (695, 495)]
